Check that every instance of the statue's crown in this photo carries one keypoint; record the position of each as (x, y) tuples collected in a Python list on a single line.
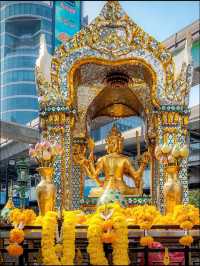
[(114, 133)]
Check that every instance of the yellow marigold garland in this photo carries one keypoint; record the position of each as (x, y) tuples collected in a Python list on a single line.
[(17, 235), (15, 250), (95, 245), (187, 225), (146, 241), (51, 252), (69, 224), (22, 217), (186, 216), (186, 240), (120, 245), (186, 213), (19, 218), (48, 239), (113, 230)]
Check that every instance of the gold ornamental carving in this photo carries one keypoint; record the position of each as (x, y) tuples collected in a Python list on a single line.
[(171, 118), (119, 62)]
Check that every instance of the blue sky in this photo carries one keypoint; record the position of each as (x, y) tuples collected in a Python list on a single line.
[(160, 19)]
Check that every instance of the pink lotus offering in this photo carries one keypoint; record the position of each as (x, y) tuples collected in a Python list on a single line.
[(45, 153)]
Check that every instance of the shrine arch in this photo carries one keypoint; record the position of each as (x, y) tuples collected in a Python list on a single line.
[(112, 41)]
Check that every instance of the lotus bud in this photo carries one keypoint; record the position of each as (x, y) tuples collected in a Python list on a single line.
[(53, 150), (184, 151), (43, 144), (37, 146), (59, 149), (47, 144), (171, 159), (176, 151), (163, 159), (46, 155), (32, 152), (166, 148)]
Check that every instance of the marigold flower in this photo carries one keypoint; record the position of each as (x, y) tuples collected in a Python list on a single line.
[(146, 241), (130, 221), (16, 235), (107, 225), (145, 225), (14, 216), (187, 225), (38, 221), (29, 216), (186, 240), (108, 237), (81, 219), (164, 220), (59, 249), (15, 250)]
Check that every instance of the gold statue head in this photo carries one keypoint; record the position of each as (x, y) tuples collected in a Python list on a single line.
[(114, 141)]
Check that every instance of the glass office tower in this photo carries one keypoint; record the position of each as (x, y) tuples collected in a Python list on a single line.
[(22, 23)]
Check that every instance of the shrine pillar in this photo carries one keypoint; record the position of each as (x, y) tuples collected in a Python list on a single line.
[(79, 147), (56, 123), (172, 130)]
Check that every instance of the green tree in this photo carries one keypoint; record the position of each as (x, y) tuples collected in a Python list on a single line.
[(194, 197)]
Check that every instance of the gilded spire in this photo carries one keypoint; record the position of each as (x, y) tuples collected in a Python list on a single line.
[(44, 60), (112, 10)]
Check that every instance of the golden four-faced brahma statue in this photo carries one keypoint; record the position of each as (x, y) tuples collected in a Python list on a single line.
[(114, 165)]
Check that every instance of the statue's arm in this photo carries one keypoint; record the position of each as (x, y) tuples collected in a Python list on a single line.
[(95, 171), (135, 174)]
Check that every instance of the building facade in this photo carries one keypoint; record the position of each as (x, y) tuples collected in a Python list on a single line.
[(22, 23)]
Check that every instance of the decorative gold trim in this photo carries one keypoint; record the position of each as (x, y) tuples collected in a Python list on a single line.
[(133, 61)]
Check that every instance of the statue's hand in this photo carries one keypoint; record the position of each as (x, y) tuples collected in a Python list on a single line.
[(84, 162), (145, 157), (79, 159), (91, 144), (137, 179)]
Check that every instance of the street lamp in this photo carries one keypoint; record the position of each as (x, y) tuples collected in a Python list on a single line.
[(22, 181), (10, 163)]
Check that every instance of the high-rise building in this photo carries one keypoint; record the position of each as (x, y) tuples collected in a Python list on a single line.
[(22, 23)]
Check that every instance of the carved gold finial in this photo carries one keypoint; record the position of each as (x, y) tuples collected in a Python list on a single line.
[(188, 48), (112, 10), (43, 62)]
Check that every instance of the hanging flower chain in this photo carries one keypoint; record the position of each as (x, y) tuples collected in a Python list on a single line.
[(19, 218), (107, 225), (108, 229), (57, 254)]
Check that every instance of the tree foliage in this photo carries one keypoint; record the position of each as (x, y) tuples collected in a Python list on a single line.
[(194, 197)]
